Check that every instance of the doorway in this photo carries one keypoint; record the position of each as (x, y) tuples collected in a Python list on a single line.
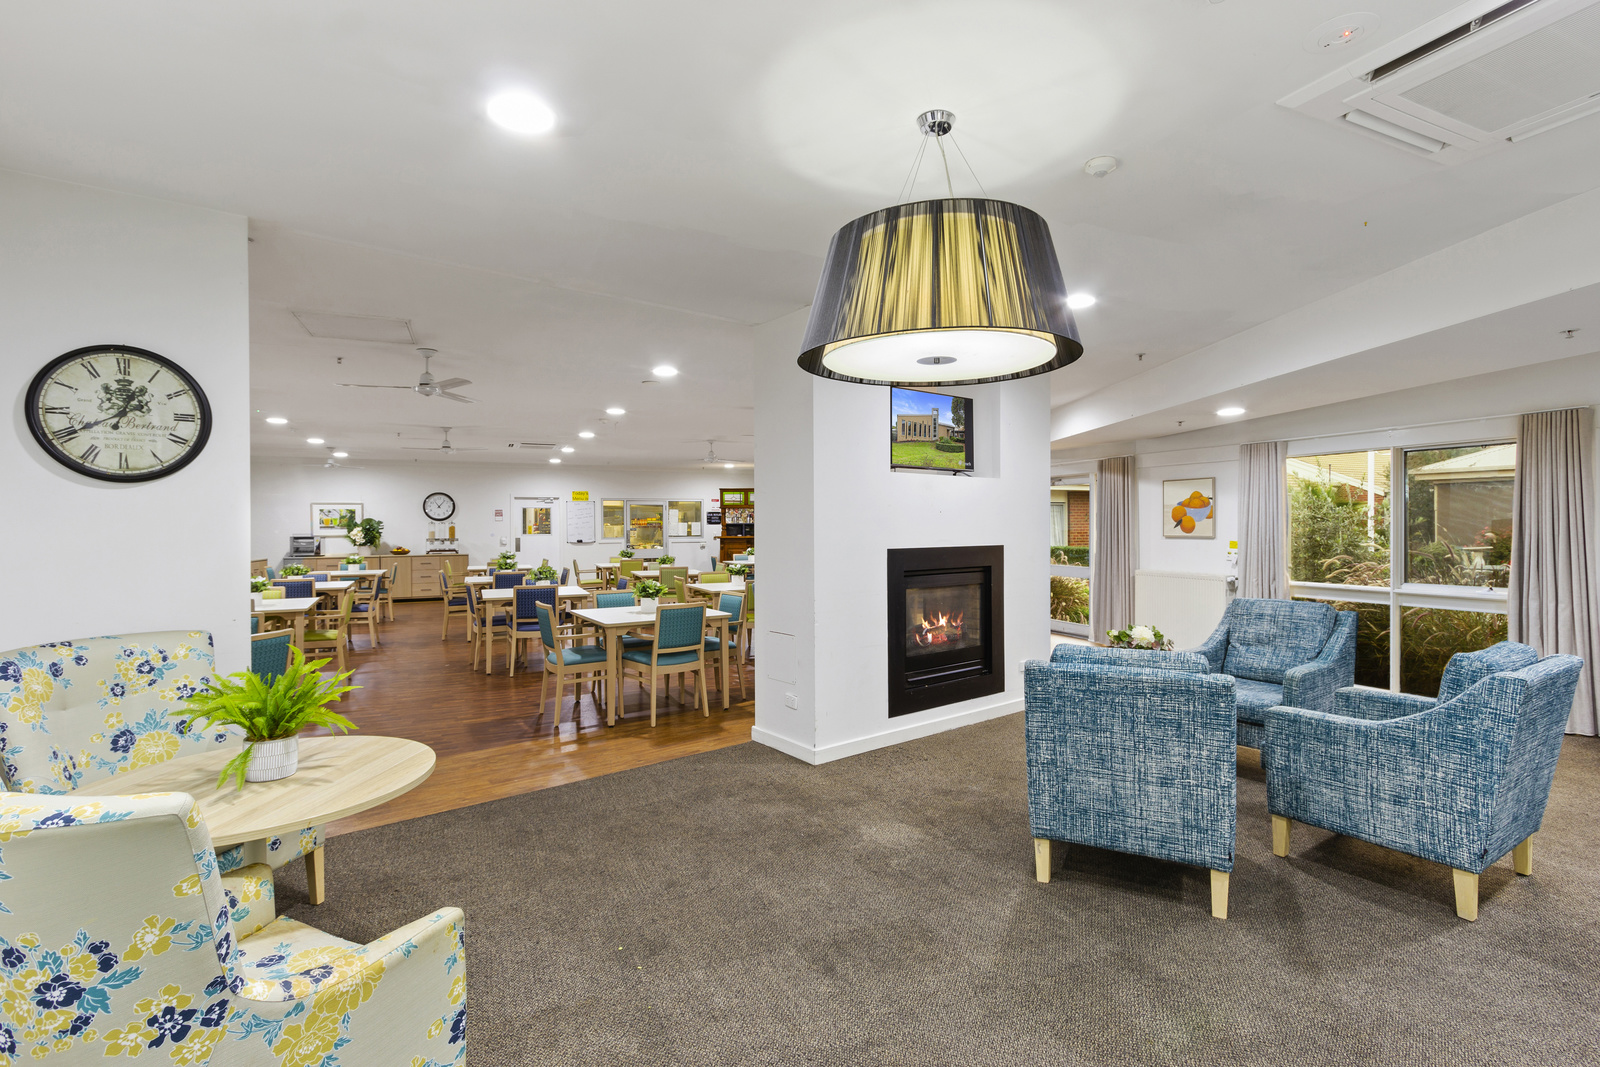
[(537, 535)]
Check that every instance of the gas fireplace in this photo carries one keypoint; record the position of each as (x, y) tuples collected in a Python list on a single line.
[(946, 625)]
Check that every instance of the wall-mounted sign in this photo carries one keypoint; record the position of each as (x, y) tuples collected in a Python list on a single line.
[(713, 518), (499, 514), (580, 494)]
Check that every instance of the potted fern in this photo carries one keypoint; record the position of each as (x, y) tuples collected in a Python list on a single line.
[(543, 572), (271, 714)]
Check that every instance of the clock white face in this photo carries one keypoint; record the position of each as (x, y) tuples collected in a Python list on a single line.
[(120, 414), (438, 506)]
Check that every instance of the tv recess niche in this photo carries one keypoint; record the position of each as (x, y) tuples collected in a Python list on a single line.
[(930, 431)]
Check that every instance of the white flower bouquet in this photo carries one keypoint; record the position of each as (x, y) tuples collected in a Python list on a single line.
[(1140, 637)]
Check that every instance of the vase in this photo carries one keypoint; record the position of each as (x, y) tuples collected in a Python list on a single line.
[(272, 760), (648, 604)]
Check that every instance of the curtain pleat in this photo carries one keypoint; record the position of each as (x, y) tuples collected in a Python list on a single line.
[(1115, 555), (1552, 603), (1263, 511)]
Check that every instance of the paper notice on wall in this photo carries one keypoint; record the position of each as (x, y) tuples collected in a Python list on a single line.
[(499, 514)]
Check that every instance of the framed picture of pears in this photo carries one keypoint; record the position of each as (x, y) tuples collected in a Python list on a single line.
[(1189, 508)]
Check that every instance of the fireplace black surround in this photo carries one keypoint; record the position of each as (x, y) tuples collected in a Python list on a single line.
[(946, 625)]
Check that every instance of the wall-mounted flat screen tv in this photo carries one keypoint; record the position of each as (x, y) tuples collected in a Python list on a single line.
[(929, 431)]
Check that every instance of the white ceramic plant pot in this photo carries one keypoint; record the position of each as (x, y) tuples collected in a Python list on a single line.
[(648, 603), (272, 760)]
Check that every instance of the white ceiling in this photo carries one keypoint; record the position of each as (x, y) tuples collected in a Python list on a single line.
[(704, 156)]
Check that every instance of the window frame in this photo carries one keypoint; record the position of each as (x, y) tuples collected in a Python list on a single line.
[(1063, 570), (1400, 593)]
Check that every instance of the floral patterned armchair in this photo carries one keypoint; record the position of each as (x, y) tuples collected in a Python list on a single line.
[(73, 712), (118, 936)]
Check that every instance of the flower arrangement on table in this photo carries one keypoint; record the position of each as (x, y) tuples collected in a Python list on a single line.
[(259, 585), (293, 570), (364, 534), (275, 712), (1140, 637), (666, 561), (543, 572), (354, 559), (504, 561), (624, 553), (649, 589), (738, 570)]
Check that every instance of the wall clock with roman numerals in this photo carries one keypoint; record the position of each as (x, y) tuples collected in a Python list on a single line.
[(118, 413)]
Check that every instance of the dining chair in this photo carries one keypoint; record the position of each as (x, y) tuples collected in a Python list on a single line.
[(577, 662), (491, 622), (670, 575), (715, 577), (524, 622), (271, 573), (730, 658), (747, 625), (456, 602), (322, 638), (507, 579), (297, 588), (626, 568), (740, 557), (594, 581), (679, 647), (319, 576), (386, 591), (269, 653), (566, 572), (366, 602)]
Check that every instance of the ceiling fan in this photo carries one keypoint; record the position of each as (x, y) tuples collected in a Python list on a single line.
[(333, 462), (426, 385), (711, 458), (447, 448)]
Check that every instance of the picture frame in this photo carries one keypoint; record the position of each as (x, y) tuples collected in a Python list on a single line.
[(328, 518), (1189, 508)]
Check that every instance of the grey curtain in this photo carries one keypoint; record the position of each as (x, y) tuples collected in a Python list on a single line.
[(1115, 555), (1552, 604), (1263, 512)]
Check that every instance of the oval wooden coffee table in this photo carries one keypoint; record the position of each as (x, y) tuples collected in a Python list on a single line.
[(337, 776)]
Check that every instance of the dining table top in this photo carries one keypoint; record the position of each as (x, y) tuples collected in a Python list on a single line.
[(717, 587), (693, 573), (334, 587), (630, 616), (567, 592), (285, 606)]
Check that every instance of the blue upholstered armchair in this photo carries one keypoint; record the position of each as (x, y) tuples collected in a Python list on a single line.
[(1462, 780), (1136, 759), (1291, 652)]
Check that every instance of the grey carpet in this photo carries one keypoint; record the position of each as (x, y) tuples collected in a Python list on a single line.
[(739, 907)]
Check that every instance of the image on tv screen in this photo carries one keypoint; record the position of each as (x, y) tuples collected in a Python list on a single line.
[(929, 431)]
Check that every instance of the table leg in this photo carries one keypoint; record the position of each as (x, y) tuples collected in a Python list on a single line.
[(614, 661), (299, 621), (722, 633), (316, 865)]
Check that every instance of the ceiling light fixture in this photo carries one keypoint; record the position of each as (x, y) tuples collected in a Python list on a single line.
[(568, 448), (340, 455), (1229, 413), (313, 440), (940, 292), (664, 371), (555, 459), (585, 434), (616, 411), (520, 112), (274, 420), (729, 466), (1100, 166), (1079, 301)]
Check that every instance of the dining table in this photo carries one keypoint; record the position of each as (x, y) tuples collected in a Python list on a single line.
[(488, 598), (614, 622), (292, 609), (656, 573)]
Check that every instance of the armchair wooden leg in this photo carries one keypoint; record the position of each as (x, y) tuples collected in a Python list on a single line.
[(1041, 859), (1280, 835), (1522, 856), (1466, 894), (315, 866), (1219, 894)]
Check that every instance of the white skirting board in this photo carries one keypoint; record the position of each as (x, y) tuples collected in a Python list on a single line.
[(894, 735), (1184, 607)]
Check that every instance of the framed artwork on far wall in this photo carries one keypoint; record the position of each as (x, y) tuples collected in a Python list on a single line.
[(329, 519), (1189, 508)]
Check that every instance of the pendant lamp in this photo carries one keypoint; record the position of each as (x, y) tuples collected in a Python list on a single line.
[(957, 291)]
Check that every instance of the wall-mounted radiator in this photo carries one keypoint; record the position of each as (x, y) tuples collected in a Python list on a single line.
[(1184, 607)]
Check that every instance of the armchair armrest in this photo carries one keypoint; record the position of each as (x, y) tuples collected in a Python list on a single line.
[(1215, 647), (251, 898), (1313, 685), (1353, 702), (399, 999), (1129, 657)]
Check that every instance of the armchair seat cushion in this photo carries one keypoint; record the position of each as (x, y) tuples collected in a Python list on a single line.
[(1254, 698), (667, 659), (580, 654)]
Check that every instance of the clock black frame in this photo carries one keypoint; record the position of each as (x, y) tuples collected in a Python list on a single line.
[(448, 497), (71, 462)]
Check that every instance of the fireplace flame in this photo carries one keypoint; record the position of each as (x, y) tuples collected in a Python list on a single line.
[(938, 629)]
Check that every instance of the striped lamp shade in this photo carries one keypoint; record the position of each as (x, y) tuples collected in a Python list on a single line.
[(941, 292)]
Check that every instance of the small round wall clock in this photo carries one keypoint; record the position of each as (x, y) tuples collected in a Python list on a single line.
[(118, 413), (438, 506)]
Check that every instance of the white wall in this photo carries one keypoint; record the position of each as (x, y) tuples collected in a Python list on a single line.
[(79, 267), (282, 492), (839, 508)]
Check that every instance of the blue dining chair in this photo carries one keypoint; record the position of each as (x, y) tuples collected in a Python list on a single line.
[(678, 648), (729, 658), (297, 588), (523, 624), (508, 579), (269, 654)]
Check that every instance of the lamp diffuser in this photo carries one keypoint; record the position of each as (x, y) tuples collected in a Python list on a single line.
[(941, 292)]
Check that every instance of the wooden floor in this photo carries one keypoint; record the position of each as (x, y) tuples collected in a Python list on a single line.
[(490, 738)]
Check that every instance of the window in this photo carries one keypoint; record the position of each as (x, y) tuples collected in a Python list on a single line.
[(684, 519), (645, 525), (611, 520), (1069, 558), (536, 520), (1445, 593)]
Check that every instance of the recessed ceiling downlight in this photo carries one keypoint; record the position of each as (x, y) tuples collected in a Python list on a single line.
[(585, 434), (521, 112), (665, 371), (313, 440), (274, 420), (728, 466), (1229, 413), (341, 455), (616, 411), (1079, 301), (568, 448), (555, 459)]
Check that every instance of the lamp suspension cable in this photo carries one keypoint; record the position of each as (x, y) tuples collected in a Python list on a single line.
[(970, 169), (911, 176)]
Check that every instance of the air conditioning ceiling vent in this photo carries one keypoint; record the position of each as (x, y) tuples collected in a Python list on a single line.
[(545, 445), (1518, 70)]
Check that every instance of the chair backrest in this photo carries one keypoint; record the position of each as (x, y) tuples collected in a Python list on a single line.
[(733, 604), (670, 576), (1467, 669), (680, 626), (547, 625), (615, 600), (297, 588), (715, 577), (79, 711), (740, 557), (508, 579), (1267, 637), (524, 597), (565, 574), (749, 599), (628, 566), (680, 587), (269, 653), (107, 946), (1193, 662), (255, 625), (271, 574)]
